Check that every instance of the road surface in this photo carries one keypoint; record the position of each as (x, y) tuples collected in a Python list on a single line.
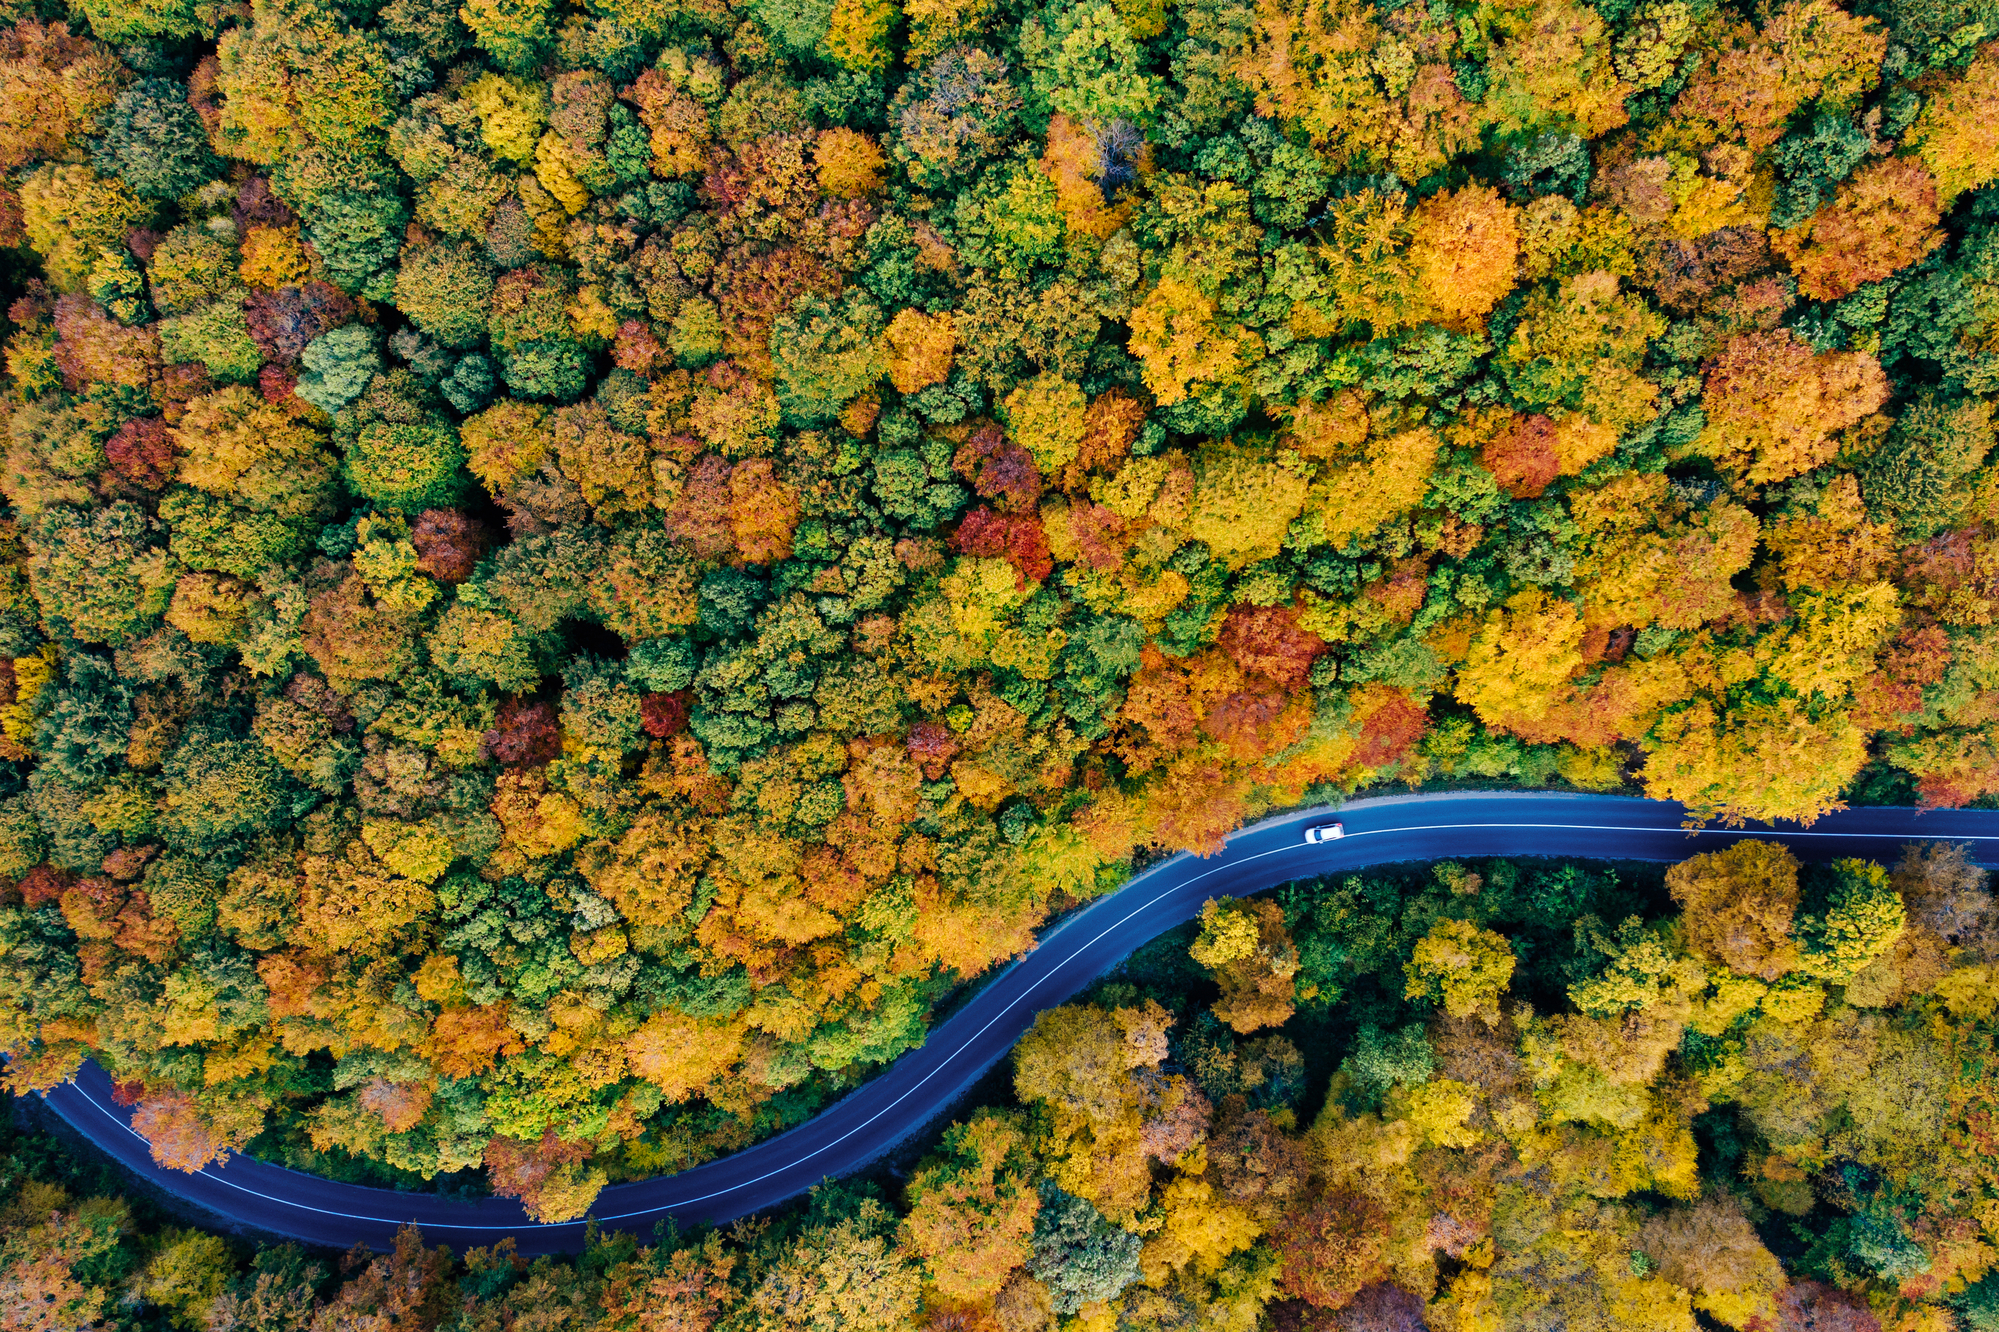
[(875, 1117)]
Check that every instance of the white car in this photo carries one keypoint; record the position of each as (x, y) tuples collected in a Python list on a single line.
[(1326, 832)]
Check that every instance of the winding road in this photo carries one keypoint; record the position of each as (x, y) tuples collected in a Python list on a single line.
[(875, 1117)]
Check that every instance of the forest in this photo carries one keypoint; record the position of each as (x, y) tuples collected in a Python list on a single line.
[(570, 571), (1494, 1096)]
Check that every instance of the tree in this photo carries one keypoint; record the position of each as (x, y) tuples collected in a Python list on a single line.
[(844, 1272), (960, 112), (1748, 89), (973, 1208), (1243, 504), (1913, 478), (405, 467), (1883, 219), (1944, 892), (1389, 478), (1461, 966), (1953, 135), (1381, 1307), (410, 1284), (187, 1273), (919, 349), (1757, 761), (100, 574), (1179, 339), (1579, 349), (446, 290), (825, 355), (217, 336), (359, 234), (255, 484), (1078, 1254), (277, 1294), (1463, 246), (1526, 652), (1814, 1305), (1333, 1248), (1250, 952), (219, 790), (1738, 906), (180, 1137), (70, 214), (338, 367), (514, 32), (847, 163), (1773, 407), (1711, 1249), (155, 142), (51, 80), (1863, 918)]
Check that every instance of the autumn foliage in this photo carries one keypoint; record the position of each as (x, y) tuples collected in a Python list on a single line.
[(1488, 1101), (567, 574)]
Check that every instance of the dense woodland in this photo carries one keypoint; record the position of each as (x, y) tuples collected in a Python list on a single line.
[(570, 572), (1485, 1097)]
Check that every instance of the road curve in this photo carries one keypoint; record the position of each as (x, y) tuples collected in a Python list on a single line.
[(869, 1121)]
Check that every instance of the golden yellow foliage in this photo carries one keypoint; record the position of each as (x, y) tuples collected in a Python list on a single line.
[(1957, 135), (1524, 653), (681, 1055), (1046, 416), (1177, 337), (273, 257), (1465, 247), (848, 165), (1388, 481), (1760, 760), (1462, 966), (919, 349), (857, 33), (1773, 407)]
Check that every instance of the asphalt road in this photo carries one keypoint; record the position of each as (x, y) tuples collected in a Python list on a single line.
[(868, 1122)]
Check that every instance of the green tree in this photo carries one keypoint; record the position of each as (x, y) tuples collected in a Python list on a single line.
[(1079, 1254), (446, 290), (1085, 63), (358, 235), (217, 336), (1915, 477), (598, 708), (338, 365), (117, 21), (99, 576), (406, 467), (826, 355), (154, 141), (218, 790)]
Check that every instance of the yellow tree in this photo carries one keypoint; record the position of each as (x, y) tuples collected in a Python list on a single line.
[(972, 1206), (1957, 135), (1520, 661), (1180, 341), (1759, 760), (1250, 953), (1465, 248), (1737, 906), (1462, 967)]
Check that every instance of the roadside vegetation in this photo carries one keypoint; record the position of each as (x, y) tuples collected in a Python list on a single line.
[(1491, 1095)]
